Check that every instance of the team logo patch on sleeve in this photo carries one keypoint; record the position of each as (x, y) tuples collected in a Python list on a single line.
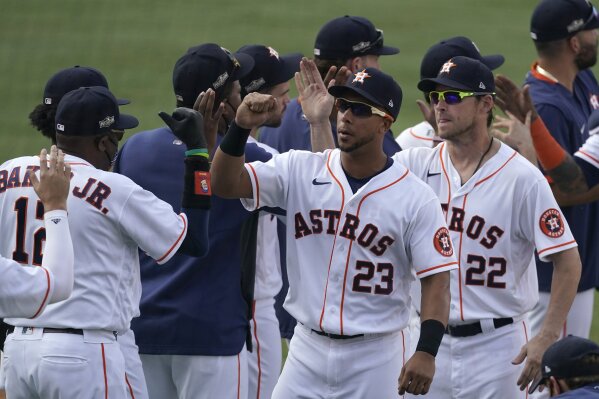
[(442, 242), (551, 223)]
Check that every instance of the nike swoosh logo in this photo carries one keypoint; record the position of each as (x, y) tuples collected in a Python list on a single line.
[(320, 183), (429, 174)]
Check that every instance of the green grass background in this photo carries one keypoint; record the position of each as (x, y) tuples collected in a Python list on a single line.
[(136, 43)]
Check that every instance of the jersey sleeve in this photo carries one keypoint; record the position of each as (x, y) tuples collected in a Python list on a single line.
[(557, 125), (542, 221), (269, 182), (153, 224), (24, 290), (429, 243), (590, 151)]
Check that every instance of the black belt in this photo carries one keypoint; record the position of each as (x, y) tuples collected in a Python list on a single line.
[(337, 336), (468, 330), (76, 331)]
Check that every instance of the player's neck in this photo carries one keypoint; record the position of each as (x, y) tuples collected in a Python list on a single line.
[(559, 70), (470, 152), (361, 164)]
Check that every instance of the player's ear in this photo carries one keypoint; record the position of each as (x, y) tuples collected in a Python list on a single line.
[(355, 64), (554, 388), (574, 44), (101, 142)]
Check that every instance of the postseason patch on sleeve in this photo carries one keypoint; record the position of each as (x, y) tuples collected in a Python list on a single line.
[(442, 242), (202, 183)]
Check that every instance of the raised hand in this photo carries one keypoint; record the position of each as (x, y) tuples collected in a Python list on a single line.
[(316, 101), (205, 105), (255, 110), (513, 99), (187, 125), (53, 185)]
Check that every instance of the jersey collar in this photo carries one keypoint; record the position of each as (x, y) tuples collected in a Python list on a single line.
[(541, 74), (73, 160)]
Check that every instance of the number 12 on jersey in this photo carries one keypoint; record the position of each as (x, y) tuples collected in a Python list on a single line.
[(39, 236)]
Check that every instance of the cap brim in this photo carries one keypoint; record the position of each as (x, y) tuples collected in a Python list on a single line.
[(493, 61), (290, 64), (126, 122), (340, 91), (122, 101), (385, 50), (247, 64), (427, 85)]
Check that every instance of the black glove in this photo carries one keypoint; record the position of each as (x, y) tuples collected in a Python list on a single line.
[(187, 125)]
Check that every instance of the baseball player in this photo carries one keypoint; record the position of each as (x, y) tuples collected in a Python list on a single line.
[(42, 118), (69, 350), (25, 291), (349, 260), (565, 92), (423, 134), (496, 236), (194, 323), (270, 75)]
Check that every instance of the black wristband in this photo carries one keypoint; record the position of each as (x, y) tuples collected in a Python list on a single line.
[(431, 334), (196, 189), (234, 141)]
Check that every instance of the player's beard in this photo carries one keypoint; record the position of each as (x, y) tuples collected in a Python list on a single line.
[(356, 144), (587, 57)]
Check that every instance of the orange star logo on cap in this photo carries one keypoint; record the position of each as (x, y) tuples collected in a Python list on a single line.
[(447, 67), (360, 76)]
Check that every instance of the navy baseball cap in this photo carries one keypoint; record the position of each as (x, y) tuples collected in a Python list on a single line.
[(347, 37), (562, 360), (375, 86), (207, 66), (559, 19), (91, 111), (270, 68), (462, 73), (69, 79), (438, 54)]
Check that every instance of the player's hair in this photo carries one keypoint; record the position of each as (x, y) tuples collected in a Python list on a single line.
[(42, 118), (490, 115), (584, 362), (324, 65), (550, 49)]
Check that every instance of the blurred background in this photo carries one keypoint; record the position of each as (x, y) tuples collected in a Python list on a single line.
[(135, 44)]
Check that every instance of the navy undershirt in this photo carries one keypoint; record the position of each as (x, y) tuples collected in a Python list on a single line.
[(356, 184)]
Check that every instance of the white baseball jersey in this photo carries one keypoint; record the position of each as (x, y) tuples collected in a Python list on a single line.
[(24, 290), (496, 220), (268, 257), (590, 151), (110, 216), (350, 256), (420, 135)]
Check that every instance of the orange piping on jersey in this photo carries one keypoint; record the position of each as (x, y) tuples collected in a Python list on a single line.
[(436, 267), (419, 137), (460, 260), (105, 373), (351, 242), (129, 386), (497, 171), (324, 302), (257, 348), (589, 155), (534, 72), (39, 310), (178, 239), (257, 186), (238, 376), (77, 163), (446, 178), (555, 246)]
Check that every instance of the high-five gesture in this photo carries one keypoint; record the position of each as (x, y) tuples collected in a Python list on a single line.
[(316, 101), (53, 185)]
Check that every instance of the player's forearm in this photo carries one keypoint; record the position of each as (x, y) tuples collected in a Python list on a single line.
[(58, 254), (435, 297), (566, 275), (229, 177), (321, 136), (558, 164)]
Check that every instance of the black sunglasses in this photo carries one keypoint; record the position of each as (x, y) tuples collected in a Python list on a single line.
[(359, 109)]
